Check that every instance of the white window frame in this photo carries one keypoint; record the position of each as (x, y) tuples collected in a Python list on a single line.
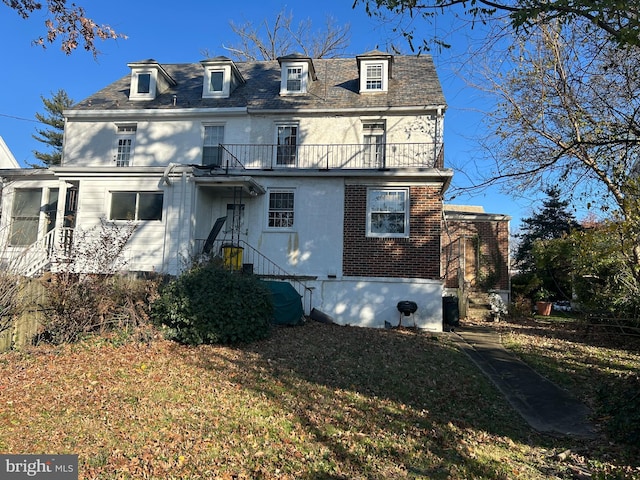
[(151, 94), (207, 143), (207, 91), (373, 140), (365, 79), (374, 207), (274, 217), (136, 206), (125, 144), (304, 75), (20, 239)]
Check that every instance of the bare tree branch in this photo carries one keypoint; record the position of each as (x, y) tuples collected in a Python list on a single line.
[(568, 114), (269, 41), (619, 20), (67, 23)]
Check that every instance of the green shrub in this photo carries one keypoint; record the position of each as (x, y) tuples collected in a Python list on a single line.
[(209, 304)]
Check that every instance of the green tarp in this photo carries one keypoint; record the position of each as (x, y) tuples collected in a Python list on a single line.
[(287, 303)]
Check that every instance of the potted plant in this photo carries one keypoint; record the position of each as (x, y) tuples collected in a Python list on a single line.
[(543, 304)]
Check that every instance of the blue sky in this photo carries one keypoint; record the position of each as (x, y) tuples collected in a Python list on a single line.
[(177, 32)]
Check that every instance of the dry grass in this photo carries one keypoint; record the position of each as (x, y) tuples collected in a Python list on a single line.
[(312, 402)]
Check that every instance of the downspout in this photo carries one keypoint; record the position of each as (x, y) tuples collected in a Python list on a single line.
[(181, 216), (167, 171), (170, 192), (178, 239), (165, 179)]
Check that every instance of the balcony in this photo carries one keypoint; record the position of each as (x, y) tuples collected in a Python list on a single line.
[(329, 157)]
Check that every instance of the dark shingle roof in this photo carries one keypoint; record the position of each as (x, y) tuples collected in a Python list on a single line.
[(414, 83)]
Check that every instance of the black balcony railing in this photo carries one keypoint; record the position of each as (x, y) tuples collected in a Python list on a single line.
[(336, 156)]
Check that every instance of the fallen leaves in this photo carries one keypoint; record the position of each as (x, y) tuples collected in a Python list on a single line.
[(317, 401)]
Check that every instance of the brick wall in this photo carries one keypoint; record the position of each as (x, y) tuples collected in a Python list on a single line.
[(415, 257), (491, 237)]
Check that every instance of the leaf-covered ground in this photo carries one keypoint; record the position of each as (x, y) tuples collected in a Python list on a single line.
[(312, 402), (600, 364)]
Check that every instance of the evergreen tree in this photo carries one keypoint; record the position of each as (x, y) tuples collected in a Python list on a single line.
[(544, 256), (552, 222), (53, 136)]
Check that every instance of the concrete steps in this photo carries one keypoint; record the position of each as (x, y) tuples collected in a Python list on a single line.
[(478, 307)]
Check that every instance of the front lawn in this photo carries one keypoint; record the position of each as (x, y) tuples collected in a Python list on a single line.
[(312, 402)]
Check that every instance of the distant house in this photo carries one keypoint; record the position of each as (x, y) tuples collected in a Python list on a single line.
[(475, 250), (328, 173), (7, 160)]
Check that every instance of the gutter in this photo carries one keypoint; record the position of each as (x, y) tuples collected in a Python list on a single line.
[(306, 110), (152, 112)]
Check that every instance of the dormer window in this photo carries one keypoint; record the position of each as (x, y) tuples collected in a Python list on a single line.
[(375, 71), (294, 79), (297, 73), (148, 80), (373, 79), (144, 83), (217, 81), (221, 77)]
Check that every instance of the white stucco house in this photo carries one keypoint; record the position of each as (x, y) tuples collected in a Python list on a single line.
[(325, 172), (7, 160)]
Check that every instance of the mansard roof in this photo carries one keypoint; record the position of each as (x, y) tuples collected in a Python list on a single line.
[(414, 84)]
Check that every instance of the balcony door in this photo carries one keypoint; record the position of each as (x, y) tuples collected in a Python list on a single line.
[(286, 149), (374, 142), (212, 145)]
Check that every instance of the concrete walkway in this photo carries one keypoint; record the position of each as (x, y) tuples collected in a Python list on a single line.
[(545, 406)]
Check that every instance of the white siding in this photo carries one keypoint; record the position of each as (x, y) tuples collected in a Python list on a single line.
[(146, 246), (314, 245)]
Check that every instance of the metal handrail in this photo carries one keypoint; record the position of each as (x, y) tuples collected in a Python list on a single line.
[(333, 156), (263, 267), (266, 268)]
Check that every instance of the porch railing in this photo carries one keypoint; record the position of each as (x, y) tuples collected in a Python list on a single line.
[(335, 156), (58, 243), (53, 248)]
